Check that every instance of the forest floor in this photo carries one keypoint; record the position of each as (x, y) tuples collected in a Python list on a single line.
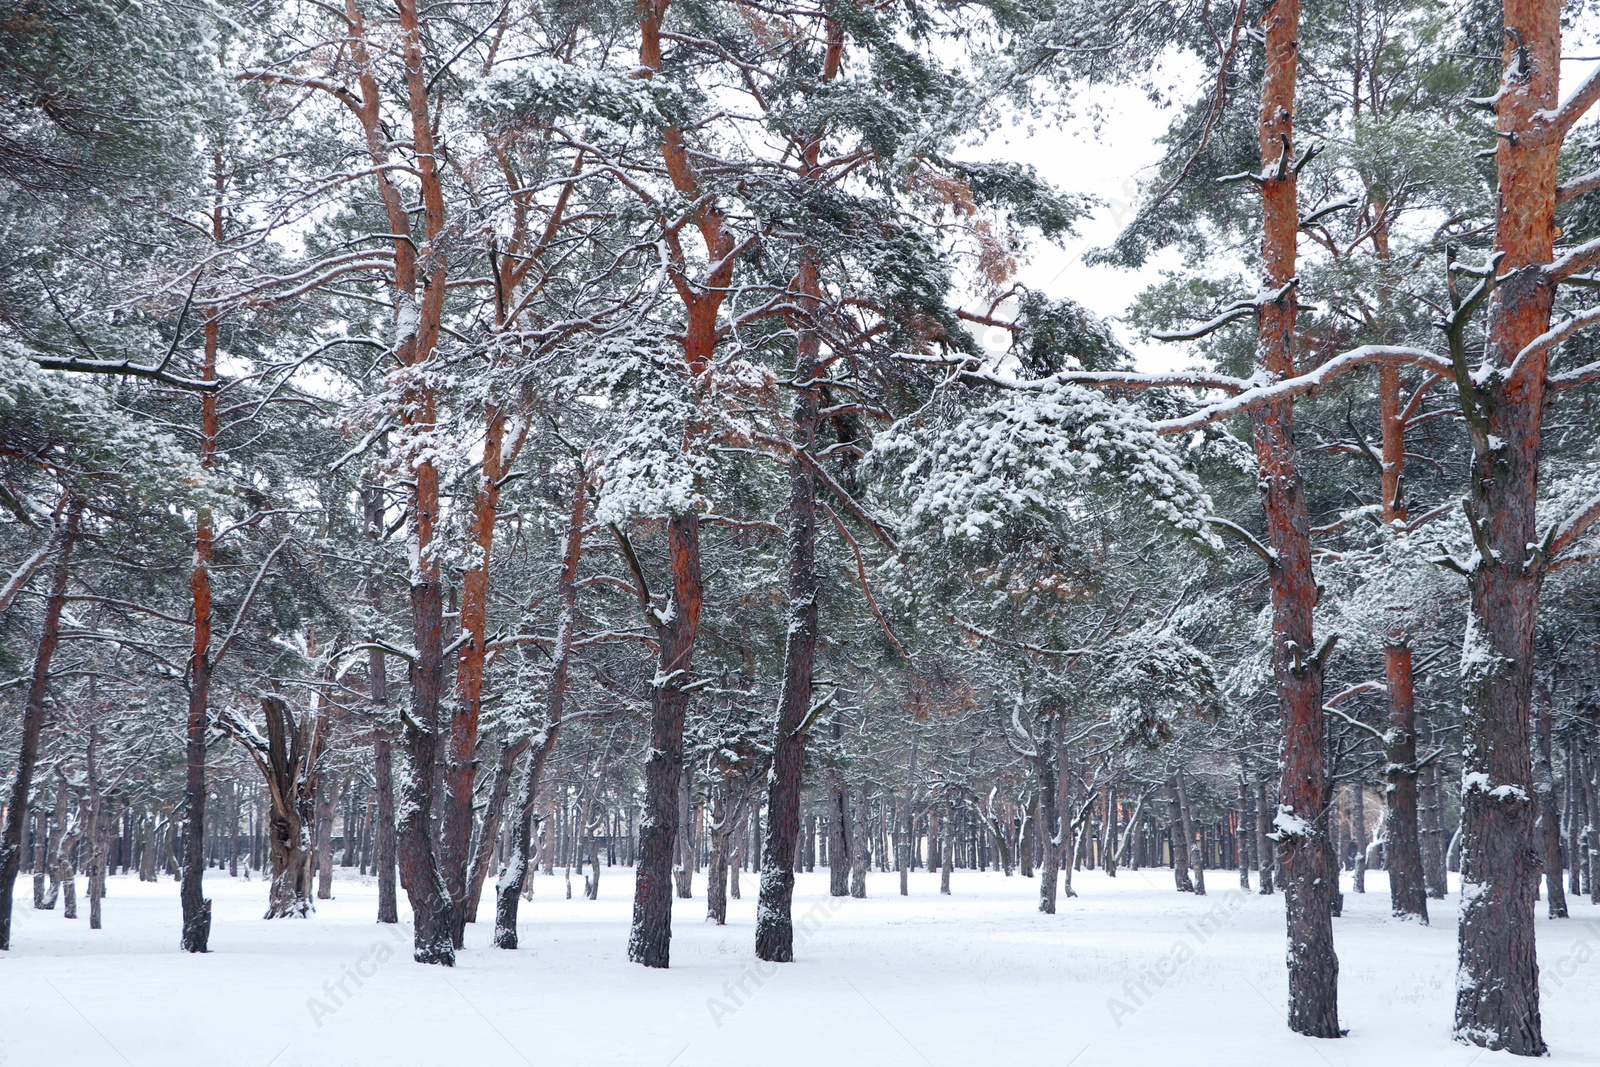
[(1128, 973)]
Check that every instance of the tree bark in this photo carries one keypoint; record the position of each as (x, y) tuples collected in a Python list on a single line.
[(838, 838), (1309, 874), (509, 888), (1047, 768), (858, 847), (1178, 835), (1408, 897), (196, 909), (33, 712), (1549, 815), (1196, 854), (1497, 984)]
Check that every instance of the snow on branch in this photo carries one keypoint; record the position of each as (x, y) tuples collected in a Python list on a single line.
[(1302, 384), (1579, 186), (1574, 107), (1554, 336), (1232, 313), (1577, 260), (1571, 529)]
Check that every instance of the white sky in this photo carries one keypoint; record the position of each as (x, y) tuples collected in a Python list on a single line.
[(1110, 160)]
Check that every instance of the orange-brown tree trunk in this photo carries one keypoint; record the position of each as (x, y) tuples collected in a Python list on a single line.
[(1408, 896), (417, 316), (1497, 984), (678, 623), (1309, 872), (196, 909), (455, 850)]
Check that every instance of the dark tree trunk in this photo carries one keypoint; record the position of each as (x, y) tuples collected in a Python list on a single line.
[(33, 711), (509, 889), (650, 938), (1430, 830), (1408, 897), (683, 864), (419, 869), (1265, 860), (1178, 837), (1549, 816), (465, 867), (96, 831), (489, 825), (1196, 855), (1358, 819), (838, 839), (727, 810), (1575, 818), (1047, 770), (382, 733), (1246, 835), (327, 800), (858, 847)]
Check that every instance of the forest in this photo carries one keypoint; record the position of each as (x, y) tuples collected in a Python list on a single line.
[(456, 454)]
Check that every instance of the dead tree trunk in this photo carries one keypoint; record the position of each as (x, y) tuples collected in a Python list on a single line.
[(288, 759)]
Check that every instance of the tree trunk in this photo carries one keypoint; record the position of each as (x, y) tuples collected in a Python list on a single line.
[(683, 857), (326, 801), (1575, 819), (1178, 835), (1430, 831), (464, 868), (1497, 992), (33, 711), (382, 732), (1359, 816), (838, 838), (1265, 859), (489, 825), (858, 847), (1408, 897), (724, 822), (650, 938), (96, 831), (1196, 855), (1549, 815), (1047, 767), (1310, 878), (509, 888)]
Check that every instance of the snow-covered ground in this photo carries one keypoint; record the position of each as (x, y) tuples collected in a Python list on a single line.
[(1129, 973)]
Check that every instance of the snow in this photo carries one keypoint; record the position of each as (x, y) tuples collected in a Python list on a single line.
[(1127, 973), (1287, 824)]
